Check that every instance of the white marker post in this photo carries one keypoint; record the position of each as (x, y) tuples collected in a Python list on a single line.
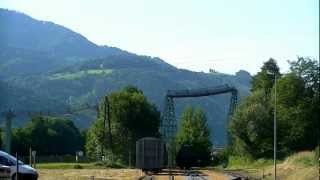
[(34, 158)]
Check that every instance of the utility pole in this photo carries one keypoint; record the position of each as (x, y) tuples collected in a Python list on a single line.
[(275, 128), (9, 116), (98, 117), (107, 123)]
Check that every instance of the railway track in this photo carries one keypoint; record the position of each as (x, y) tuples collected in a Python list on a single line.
[(192, 175), (147, 177), (195, 175), (188, 175), (236, 176)]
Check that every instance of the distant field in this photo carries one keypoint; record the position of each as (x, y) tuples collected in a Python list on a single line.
[(80, 74)]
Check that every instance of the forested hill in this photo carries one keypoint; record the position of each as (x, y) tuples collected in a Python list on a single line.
[(47, 67)]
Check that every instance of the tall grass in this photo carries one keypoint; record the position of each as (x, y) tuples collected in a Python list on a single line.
[(302, 166), (243, 162)]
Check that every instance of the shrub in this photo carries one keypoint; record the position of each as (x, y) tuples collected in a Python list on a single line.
[(239, 161), (77, 166), (317, 153), (221, 158), (109, 164)]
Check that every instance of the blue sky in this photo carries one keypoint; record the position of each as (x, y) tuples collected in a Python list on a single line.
[(197, 35)]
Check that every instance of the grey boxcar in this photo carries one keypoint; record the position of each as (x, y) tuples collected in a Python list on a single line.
[(151, 154)]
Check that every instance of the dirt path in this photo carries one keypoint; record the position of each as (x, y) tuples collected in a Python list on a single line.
[(87, 174), (115, 174)]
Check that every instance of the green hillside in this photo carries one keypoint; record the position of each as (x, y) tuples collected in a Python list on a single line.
[(49, 68)]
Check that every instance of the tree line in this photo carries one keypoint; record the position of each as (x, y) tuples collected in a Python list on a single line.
[(48, 136), (296, 107), (131, 117), (250, 128)]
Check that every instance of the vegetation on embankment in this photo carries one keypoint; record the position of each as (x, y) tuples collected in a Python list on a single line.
[(85, 174), (302, 166), (294, 96), (66, 166), (91, 165)]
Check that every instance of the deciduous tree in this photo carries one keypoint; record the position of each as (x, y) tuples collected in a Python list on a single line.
[(194, 131)]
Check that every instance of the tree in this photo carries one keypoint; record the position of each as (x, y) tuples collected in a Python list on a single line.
[(132, 117), (308, 70), (265, 78), (291, 113), (185, 132), (95, 139), (251, 127), (194, 131), (47, 135), (297, 115)]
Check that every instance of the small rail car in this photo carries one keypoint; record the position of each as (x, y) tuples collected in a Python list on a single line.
[(151, 154), (186, 158)]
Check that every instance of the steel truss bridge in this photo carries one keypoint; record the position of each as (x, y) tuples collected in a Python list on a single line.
[(168, 124)]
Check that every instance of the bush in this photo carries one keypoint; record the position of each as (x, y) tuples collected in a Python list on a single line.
[(109, 164), (77, 166), (221, 158), (236, 162), (317, 152), (303, 159)]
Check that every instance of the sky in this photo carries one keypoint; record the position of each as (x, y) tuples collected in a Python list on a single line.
[(225, 35)]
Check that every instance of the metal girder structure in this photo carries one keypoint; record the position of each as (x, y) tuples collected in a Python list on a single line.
[(168, 124), (233, 102)]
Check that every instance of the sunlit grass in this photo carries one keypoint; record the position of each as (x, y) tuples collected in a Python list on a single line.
[(302, 166), (85, 174), (66, 166), (80, 74), (237, 162)]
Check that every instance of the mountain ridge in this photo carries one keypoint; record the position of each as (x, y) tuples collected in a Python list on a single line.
[(62, 74)]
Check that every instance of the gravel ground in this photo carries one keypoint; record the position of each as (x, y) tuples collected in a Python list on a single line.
[(88, 174), (116, 174)]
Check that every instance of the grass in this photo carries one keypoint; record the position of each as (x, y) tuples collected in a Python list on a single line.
[(83, 171), (92, 165), (67, 166), (236, 162), (302, 166), (302, 159), (80, 74), (85, 174)]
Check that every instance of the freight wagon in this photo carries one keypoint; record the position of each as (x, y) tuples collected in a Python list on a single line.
[(151, 154)]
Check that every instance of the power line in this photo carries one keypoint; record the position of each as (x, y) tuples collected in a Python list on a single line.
[(197, 61)]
